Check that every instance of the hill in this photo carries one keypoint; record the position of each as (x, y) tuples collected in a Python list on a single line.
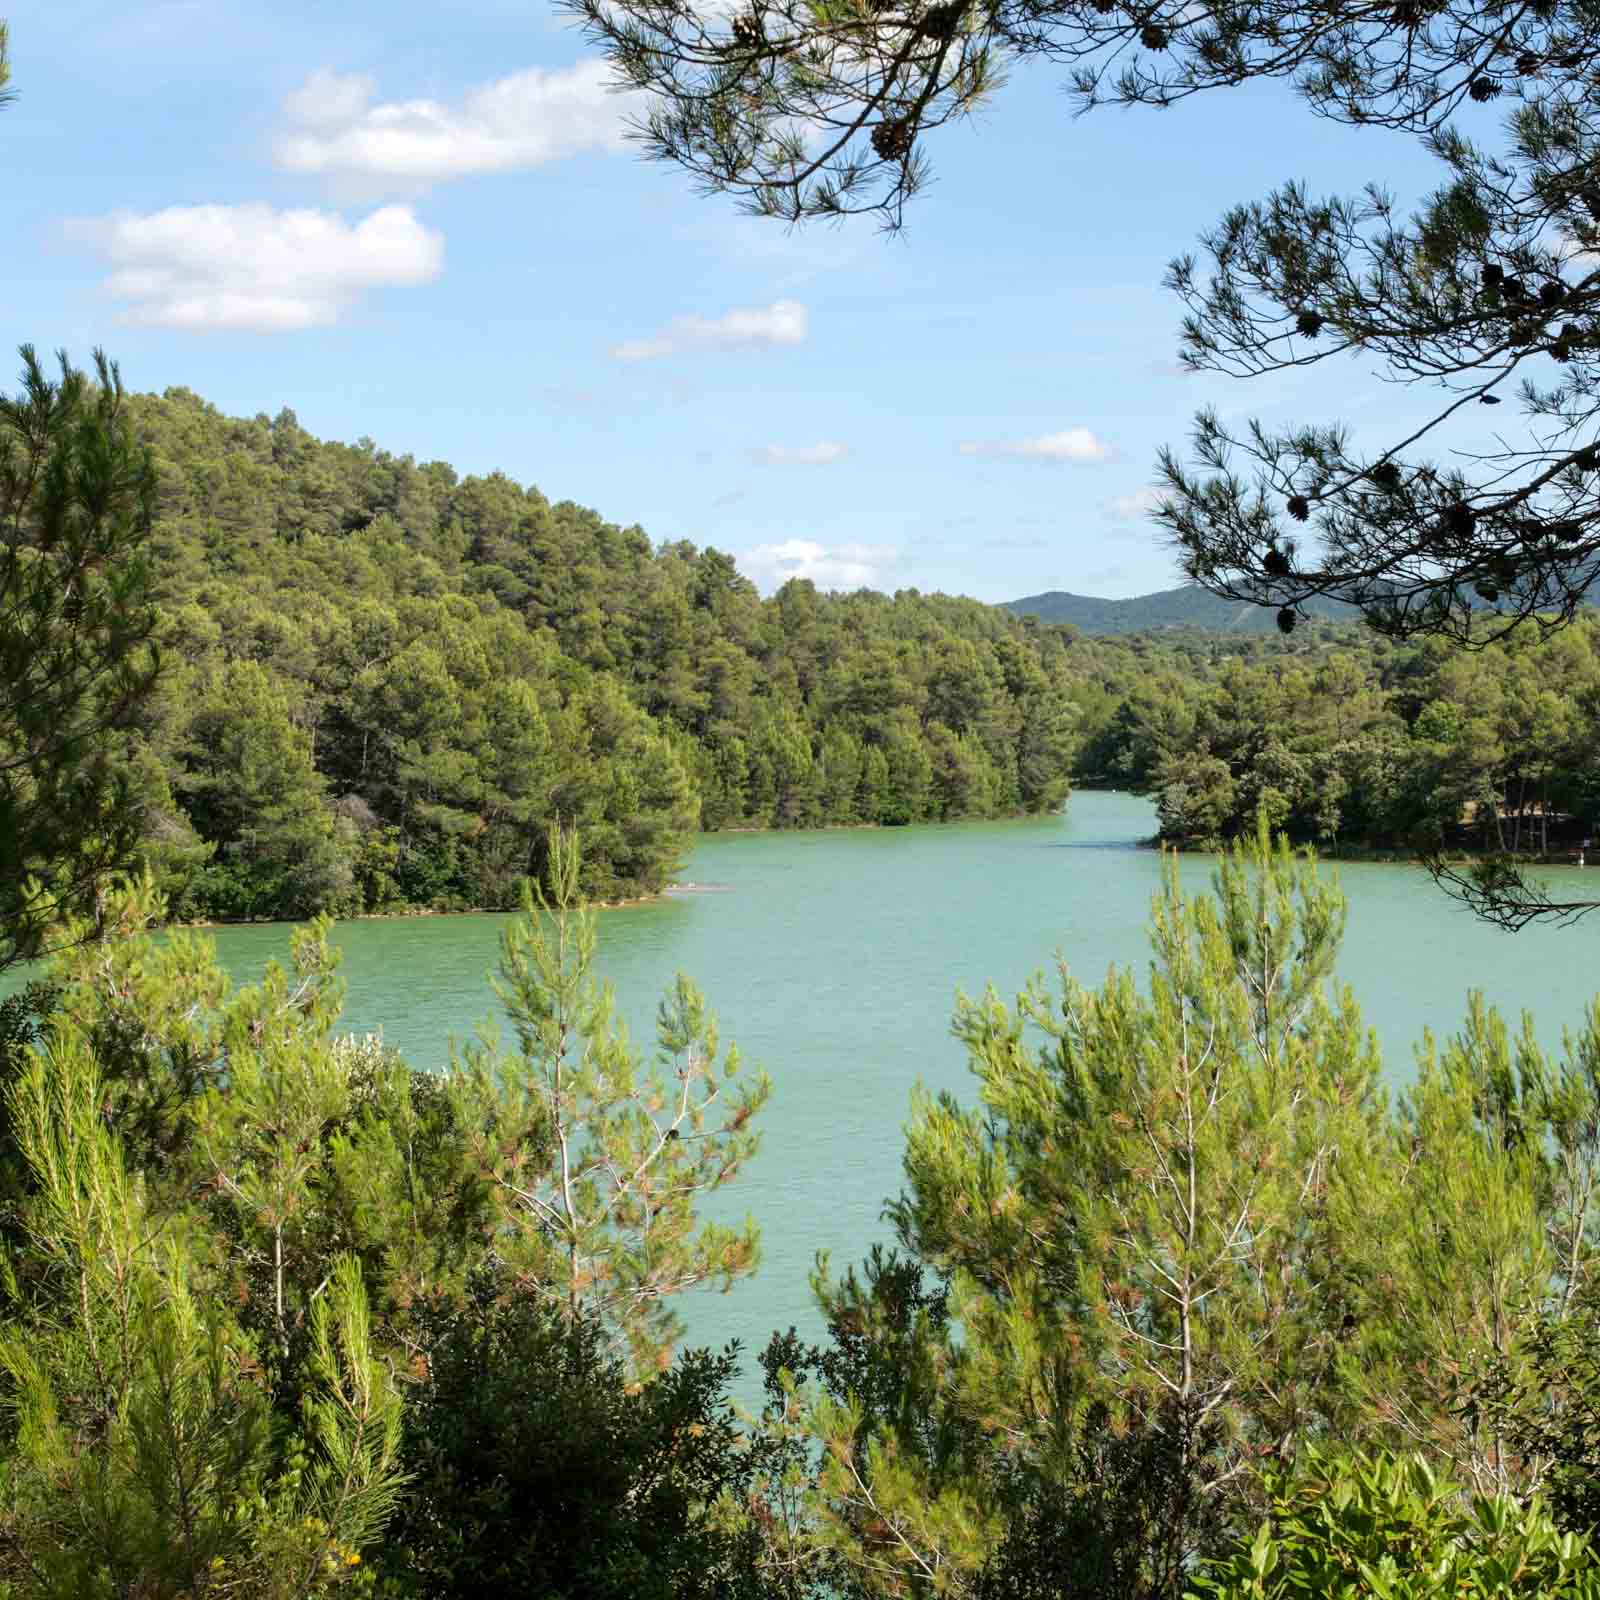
[(386, 681), (1188, 606)]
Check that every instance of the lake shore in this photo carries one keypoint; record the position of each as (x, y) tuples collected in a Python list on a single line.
[(415, 913)]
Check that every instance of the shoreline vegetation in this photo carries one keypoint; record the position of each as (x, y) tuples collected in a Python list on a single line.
[(383, 683), (1395, 855), (409, 912)]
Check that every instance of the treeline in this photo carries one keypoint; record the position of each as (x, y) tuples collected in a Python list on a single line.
[(385, 682), (1183, 1303), (1348, 740)]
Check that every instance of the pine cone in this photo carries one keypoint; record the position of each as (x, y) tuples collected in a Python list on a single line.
[(1298, 507), (1482, 89), (1309, 323), (892, 139), (1287, 620), (942, 21), (1153, 37)]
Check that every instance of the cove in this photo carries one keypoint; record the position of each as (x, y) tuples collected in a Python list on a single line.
[(833, 959)]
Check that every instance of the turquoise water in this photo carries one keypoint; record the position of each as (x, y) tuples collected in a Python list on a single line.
[(833, 959)]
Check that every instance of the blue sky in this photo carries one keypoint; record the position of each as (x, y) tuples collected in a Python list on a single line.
[(419, 223)]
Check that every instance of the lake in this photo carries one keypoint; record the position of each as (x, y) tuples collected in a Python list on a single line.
[(833, 959)]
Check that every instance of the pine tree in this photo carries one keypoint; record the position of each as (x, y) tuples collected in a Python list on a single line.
[(1485, 293), (1130, 1236), (143, 1454), (1149, 1189), (595, 1161), (77, 496)]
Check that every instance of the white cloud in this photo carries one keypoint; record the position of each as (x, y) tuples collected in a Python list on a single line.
[(822, 454), (336, 126), (840, 566), (1077, 445), (252, 267), (784, 322), (1135, 507)]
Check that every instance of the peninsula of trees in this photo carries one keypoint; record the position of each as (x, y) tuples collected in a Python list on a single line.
[(385, 682)]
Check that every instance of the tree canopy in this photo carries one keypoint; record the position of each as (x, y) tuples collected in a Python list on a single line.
[(385, 682), (808, 109), (77, 498)]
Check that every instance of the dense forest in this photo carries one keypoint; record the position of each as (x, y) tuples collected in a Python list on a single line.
[(1351, 741), (384, 682)]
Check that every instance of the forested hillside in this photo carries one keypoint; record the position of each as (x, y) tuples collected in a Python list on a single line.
[(385, 682), (1349, 739)]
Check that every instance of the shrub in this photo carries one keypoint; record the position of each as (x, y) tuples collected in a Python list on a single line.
[(1392, 1528)]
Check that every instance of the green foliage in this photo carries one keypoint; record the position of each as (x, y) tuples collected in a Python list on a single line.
[(387, 684), (1482, 1195), (1543, 1400), (875, 1479), (538, 1468), (77, 498), (250, 788), (1391, 1527), (594, 1161), (1351, 741), (240, 1248), (1164, 1153), (141, 1456)]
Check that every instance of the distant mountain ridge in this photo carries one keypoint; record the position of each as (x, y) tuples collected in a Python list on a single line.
[(1188, 606)]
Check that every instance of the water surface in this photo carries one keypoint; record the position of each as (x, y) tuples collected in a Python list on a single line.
[(833, 959)]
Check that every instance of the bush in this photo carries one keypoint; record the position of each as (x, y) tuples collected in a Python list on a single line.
[(537, 1468), (1392, 1528)]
